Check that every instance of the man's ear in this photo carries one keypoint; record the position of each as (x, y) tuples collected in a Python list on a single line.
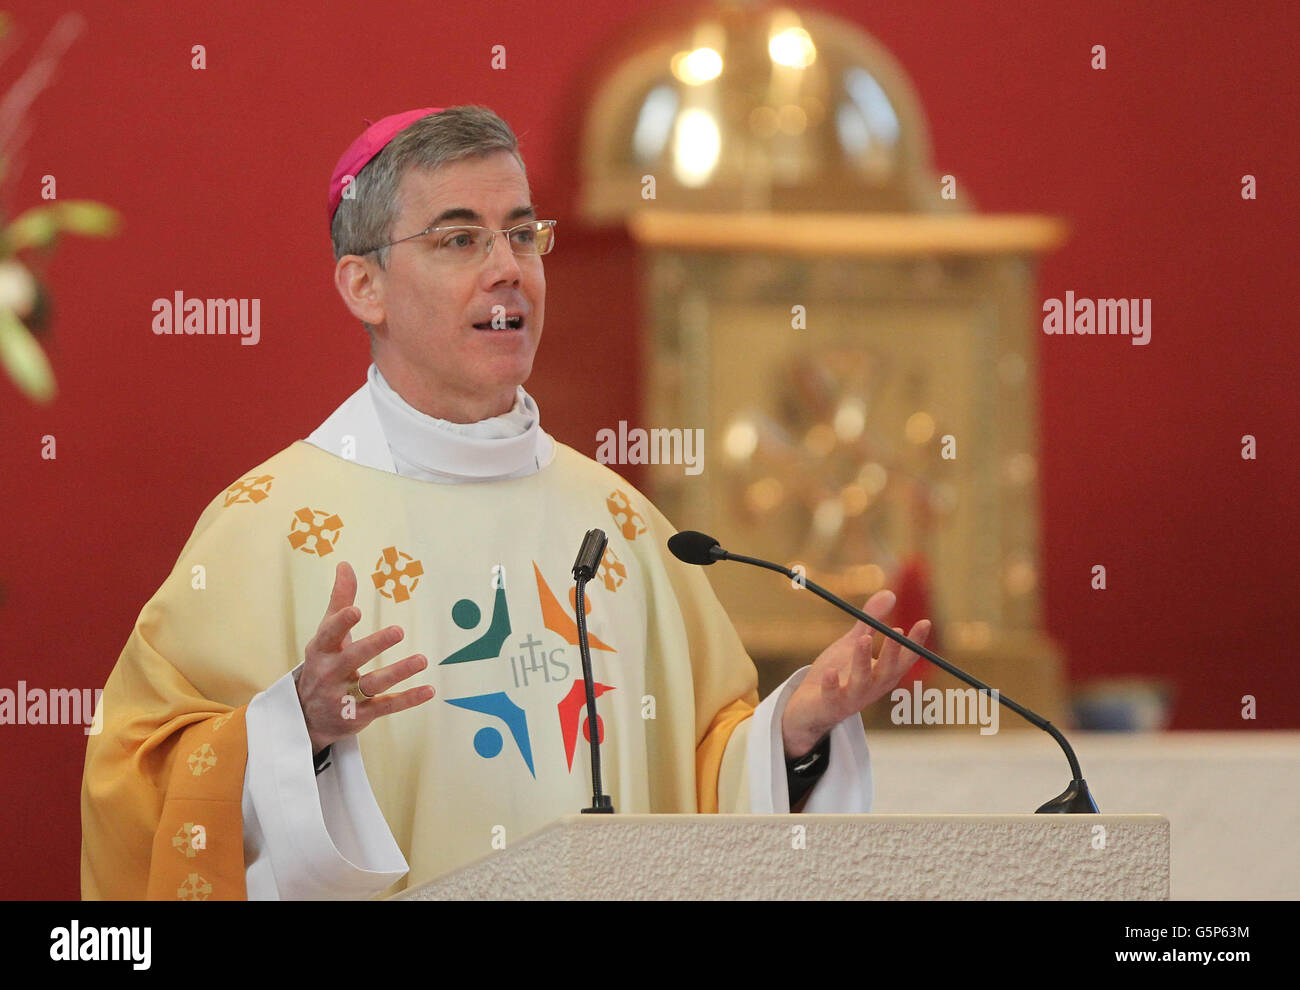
[(360, 284)]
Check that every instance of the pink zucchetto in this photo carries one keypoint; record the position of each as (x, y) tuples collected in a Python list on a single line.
[(371, 142)]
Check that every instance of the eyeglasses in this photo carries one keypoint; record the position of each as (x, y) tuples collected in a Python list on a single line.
[(467, 244)]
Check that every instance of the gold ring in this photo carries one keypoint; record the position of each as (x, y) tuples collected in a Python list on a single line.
[(356, 691)]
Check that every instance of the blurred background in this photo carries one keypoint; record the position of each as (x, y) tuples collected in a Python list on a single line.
[(822, 233)]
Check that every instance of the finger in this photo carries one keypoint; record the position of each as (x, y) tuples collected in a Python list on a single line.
[(388, 704), (880, 604), (334, 628), (358, 654), (877, 642), (862, 659), (376, 682), (906, 658), (344, 592), (889, 657), (919, 634), (877, 606)]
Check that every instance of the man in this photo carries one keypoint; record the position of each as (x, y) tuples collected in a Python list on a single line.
[(231, 765)]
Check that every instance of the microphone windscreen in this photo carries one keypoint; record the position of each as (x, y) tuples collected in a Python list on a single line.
[(692, 547)]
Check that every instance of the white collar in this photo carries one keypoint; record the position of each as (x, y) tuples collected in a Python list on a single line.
[(377, 428)]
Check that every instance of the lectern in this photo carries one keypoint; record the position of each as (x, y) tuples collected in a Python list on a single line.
[(823, 857)]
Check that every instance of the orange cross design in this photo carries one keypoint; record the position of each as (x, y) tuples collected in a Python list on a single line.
[(391, 568), (321, 534), (251, 489)]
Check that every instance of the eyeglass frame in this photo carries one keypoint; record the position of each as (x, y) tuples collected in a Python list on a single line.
[(492, 234)]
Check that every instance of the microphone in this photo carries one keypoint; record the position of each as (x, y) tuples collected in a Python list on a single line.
[(584, 569), (695, 548), (589, 554), (698, 548)]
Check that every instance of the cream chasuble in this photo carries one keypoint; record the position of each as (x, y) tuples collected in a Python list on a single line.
[(201, 785)]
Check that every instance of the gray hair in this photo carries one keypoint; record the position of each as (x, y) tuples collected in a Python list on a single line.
[(458, 132)]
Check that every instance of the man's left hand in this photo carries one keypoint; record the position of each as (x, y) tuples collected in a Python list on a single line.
[(846, 678)]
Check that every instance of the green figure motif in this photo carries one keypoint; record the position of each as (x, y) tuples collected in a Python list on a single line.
[(488, 646)]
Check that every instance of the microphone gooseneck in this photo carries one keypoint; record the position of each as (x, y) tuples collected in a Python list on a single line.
[(693, 547), (584, 569)]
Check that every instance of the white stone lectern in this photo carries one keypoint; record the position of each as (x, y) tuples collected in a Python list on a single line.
[(823, 857)]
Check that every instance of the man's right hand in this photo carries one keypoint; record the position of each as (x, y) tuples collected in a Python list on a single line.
[(330, 670)]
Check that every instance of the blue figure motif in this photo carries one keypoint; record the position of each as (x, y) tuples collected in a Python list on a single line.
[(488, 741)]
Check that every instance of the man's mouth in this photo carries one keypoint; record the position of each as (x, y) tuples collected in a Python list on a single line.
[(508, 323)]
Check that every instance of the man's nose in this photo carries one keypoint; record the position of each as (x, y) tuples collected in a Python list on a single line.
[(501, 260)]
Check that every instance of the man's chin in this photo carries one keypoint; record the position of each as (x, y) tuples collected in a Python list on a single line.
[(507, 382), (507, 371)]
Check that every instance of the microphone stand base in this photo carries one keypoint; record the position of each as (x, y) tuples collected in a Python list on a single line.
[(1074, 800)]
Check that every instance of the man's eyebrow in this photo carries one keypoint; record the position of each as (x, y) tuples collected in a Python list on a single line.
[(472, 216)]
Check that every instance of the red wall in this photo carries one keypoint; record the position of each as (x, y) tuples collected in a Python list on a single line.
[(221, 176)]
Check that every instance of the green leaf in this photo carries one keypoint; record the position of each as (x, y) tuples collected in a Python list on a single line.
[(23, 358), (88, 218), (35, 227), (39, 225)]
